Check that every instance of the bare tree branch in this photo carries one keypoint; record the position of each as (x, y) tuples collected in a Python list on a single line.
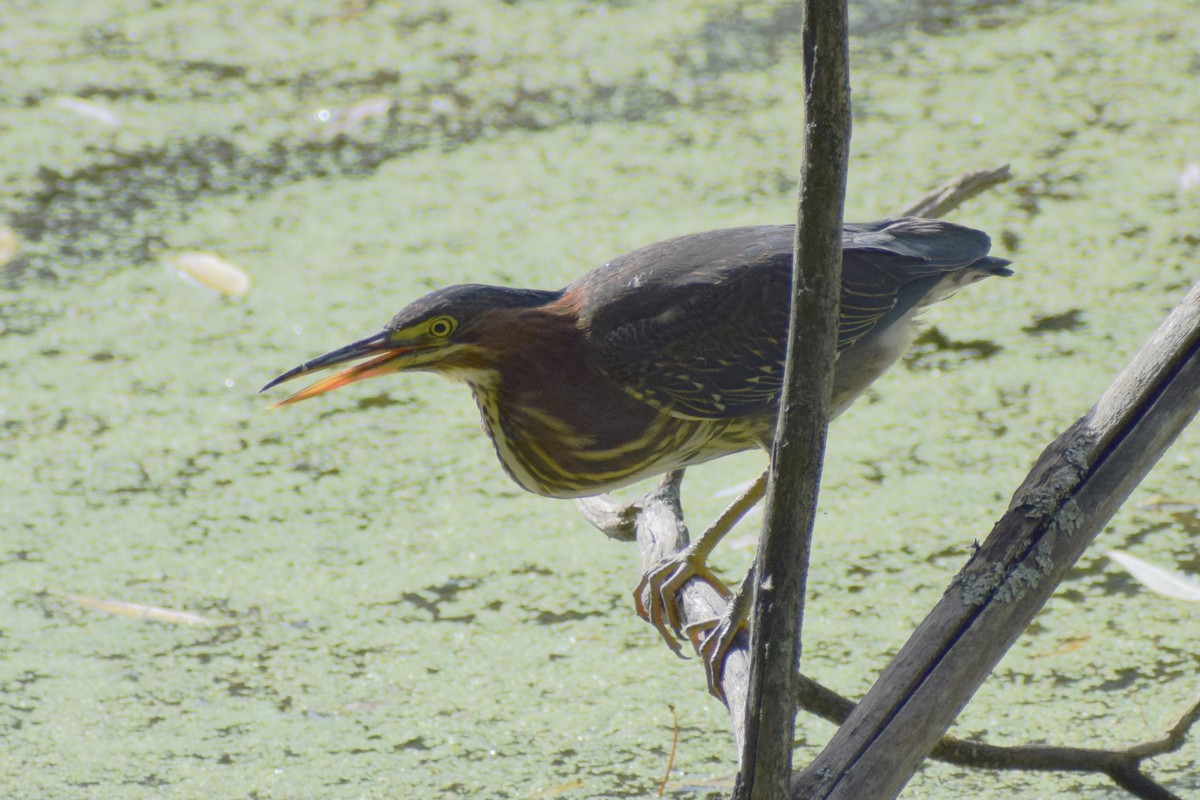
[(957, 191), (661, 533), (657, 523), (1122, 765), (780, 571), (1071, 493)]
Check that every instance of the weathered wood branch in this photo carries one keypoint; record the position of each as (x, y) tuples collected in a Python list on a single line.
[(957, 191), (657, 523), (1071, 493), (780, 572), (661, 533), (1122, 765)]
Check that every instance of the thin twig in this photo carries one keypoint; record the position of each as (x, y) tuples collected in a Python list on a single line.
[(1122, 765), (956, 191), (662, 787)]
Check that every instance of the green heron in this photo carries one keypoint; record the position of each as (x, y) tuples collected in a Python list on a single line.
[(665, 357)]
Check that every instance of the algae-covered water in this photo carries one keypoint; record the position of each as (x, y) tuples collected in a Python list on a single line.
[(381, 612)]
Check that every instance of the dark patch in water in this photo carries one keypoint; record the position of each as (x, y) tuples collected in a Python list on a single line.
[(933, 349), (1070, 320)]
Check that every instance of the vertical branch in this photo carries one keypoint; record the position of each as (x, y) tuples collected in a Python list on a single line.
[(781, 564)]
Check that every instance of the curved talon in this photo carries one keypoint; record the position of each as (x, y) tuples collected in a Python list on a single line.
[(654, 614), (683, 572), (712, 639), (661, 586)]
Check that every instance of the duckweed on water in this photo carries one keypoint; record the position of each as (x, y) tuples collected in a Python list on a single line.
[(395, 618)]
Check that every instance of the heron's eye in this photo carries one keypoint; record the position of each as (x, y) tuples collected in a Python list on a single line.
[(441, 327)]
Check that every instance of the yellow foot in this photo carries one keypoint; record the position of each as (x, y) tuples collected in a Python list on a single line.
[(656, 596)]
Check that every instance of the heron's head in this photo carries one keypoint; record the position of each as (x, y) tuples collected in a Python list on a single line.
[(457, 332)]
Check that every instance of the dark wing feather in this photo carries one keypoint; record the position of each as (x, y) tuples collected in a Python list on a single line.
[(697, 325)]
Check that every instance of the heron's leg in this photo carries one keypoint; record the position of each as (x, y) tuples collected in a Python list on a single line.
[(660, 585)]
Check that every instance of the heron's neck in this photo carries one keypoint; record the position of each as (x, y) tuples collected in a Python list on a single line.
[(548, 377), (546, 402)]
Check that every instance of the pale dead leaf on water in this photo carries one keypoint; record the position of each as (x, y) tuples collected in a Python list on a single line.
[(211, 271), (89, 109), (1189, 176), (9, 244), (123, 608), (355, 115), (1159, 580), (746, 542), (557, 789)]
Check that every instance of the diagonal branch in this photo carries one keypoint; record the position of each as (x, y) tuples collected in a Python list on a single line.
[(1071, 493), (956, 191), (1122, 765), (657, 522)]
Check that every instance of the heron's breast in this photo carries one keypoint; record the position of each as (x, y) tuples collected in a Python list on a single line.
[(557, 455)]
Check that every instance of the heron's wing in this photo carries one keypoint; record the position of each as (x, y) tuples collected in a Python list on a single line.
[(694, 326), (697, 325)]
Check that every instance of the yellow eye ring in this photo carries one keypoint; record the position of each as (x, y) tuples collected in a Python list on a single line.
[(441, 327)]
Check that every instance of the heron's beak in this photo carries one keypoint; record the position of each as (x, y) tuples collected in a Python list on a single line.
[(383, 356)]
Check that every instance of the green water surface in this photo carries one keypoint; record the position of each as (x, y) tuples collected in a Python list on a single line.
[(392, 617)]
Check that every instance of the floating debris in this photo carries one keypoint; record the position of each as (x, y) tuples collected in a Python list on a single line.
[(1160, 503), (1068, 645), (557, 789), (352, 117), (363, 707), (746, 542), (1159, 580), (211, 271), (9, 244), (138, 611), (86, 108), (1189, 176)]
